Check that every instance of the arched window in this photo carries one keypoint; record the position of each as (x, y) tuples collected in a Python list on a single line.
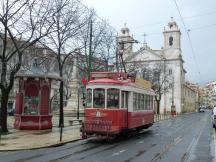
[(171, 41)]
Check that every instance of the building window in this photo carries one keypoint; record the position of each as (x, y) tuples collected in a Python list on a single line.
[(170, 85), (171, 41)]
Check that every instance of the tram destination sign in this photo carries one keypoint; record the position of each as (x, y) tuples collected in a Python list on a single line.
[(140, 82)]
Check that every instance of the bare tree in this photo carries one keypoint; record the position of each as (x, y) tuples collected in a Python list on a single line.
[(64, 39), (156, 73), (107, 50), (160, 80), (22, 24), (102, 43)]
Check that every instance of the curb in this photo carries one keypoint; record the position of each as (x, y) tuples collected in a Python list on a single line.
[(41, 147)]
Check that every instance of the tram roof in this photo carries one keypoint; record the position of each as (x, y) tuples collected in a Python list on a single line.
[(118, 79), (107, 81)]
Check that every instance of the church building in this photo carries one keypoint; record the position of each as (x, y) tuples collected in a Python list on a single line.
[(170, 56)]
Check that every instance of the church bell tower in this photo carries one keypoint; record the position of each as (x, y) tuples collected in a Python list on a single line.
[(172, 36), (125, 42)]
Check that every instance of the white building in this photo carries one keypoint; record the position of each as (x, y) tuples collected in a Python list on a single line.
[(170, 56)]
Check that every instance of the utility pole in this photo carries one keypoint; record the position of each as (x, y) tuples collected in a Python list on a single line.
[(90, 51), (172, 91), (173, 111)]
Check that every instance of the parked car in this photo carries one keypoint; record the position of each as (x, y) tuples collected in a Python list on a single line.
[(201, 109), (214, 117)]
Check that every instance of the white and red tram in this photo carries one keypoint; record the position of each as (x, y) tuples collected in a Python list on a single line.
[(116, 104)]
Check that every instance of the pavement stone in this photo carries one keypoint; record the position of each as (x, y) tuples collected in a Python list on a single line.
[(32, 139)]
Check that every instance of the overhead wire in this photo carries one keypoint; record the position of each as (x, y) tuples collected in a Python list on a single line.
[(188, 36), (162, 22)]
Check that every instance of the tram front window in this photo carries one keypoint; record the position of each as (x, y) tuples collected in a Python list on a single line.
[(99, 98), (112, 98)]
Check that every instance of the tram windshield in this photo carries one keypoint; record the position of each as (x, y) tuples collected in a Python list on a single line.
[(99, 98), (112, 98)]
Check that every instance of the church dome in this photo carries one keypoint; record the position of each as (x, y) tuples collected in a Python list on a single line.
[(172, 25), (125, 30)]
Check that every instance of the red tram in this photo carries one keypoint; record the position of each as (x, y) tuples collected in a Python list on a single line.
[(116, 104)]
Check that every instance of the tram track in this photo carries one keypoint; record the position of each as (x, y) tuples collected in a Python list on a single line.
[(50, 152), (110, 147), (178, 139), (139, 153), (89, 149), (82, 151), (76, 152)]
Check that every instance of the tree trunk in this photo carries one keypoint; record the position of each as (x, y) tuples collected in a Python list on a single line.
[(158, 106), (61, 104), (3, 120)]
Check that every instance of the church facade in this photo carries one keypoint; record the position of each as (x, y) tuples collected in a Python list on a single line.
[(169, 58)]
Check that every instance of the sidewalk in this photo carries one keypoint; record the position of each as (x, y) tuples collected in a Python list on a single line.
[(23, 139)]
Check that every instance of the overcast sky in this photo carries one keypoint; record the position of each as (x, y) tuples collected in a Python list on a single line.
[(150, 17)]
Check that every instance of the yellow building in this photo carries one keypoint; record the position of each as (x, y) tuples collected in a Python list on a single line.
[(190, 99)]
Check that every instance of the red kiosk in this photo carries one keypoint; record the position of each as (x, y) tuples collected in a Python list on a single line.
[(32, 109)]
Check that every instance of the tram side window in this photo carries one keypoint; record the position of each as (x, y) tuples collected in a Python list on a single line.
[(99, 98), (89, 98), (148, 102), (145, 103), (124, 99), (134, 101), (113, 98), (142, 102), (139, 102), (151, 103)]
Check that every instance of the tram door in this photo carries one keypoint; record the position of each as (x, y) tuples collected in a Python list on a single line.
[(124, 105)]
